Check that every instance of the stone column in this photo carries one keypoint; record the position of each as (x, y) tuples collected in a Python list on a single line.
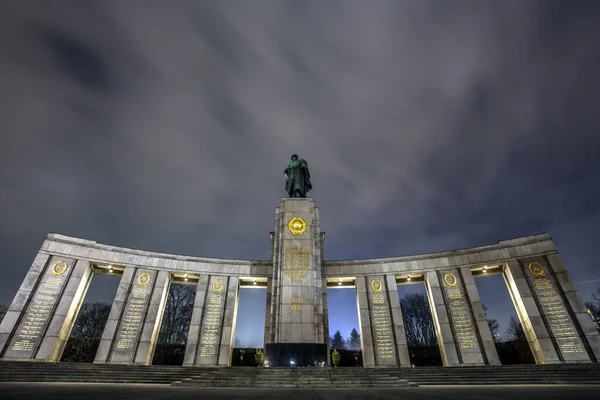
[(126, 323), (17, 308), (441, 320), (566, 335), (367, 345), (530, 315), (216, 332), (397, 321), (377, 328), (486, 341), (460, 315), (191, 348), (585, 327), (40, 295), (229, 320), (154, 314), (64, 316)]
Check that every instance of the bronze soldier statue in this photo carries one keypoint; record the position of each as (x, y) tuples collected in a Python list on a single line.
[(297, 178)]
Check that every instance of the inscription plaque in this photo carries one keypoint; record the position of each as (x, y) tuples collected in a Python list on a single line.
[(459, 312), (131, 322), (209, 338), (38, 312), (556, 314), (296, 262), (381, 322)]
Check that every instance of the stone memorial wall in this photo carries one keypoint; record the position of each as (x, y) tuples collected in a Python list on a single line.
[(38, 322)]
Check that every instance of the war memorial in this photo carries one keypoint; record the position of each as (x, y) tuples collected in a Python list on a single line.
[(296, 278)]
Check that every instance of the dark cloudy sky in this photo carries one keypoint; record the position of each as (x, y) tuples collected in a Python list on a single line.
[(427, 125)]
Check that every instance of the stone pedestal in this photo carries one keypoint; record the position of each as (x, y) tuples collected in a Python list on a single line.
[(296, 323)]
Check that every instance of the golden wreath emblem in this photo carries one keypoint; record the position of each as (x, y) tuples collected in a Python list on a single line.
[(144, 279), (450, 279), (297, 226), (536, 269), (217, 286), (376, 285), (59, 268)]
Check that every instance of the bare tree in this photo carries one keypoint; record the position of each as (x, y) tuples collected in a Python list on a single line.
[(515, 330), (418, 323), (493, 325), (177, 315), (86, 333)]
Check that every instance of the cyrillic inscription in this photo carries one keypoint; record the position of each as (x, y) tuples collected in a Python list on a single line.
[(296, 262), (381, 322), (38, 312), (554, 309), (131, 322), (209, 338), (463, 327)]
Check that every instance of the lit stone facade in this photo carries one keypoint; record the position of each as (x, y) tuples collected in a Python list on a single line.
[(39, 320)]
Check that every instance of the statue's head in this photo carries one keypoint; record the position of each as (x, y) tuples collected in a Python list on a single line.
[(294, 157)]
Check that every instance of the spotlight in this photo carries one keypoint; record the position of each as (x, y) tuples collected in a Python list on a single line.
[(254, 283), (408, 278), (484, 268), (340, 282), (110, 268)]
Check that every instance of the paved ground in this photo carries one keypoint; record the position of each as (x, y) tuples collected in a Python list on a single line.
[(90, 391)]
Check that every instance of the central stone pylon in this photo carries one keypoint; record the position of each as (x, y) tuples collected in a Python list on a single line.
[(296, 323)]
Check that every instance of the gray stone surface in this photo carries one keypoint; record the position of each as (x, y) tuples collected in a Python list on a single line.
[(530, 315), (43, 391), (153, 319), (17, 307), (41, 304), (588, 332), (441, 320), (479, 321), (191, 348), (62, 321), (295, 313)]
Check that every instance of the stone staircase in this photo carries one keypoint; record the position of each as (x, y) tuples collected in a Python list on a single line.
[(296, 378), (11, 371), (581, 374)]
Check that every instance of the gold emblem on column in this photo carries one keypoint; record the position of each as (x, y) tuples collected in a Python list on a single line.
[(376, 285), (59, 268), (217, 286), (144, 279), (450, 279), (536, 269), (297, 226)]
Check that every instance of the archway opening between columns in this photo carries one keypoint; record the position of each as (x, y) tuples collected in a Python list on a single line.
[(250, 322), (419, 327), (503, 321), (94, 308), (176, 319), (344, 326)]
